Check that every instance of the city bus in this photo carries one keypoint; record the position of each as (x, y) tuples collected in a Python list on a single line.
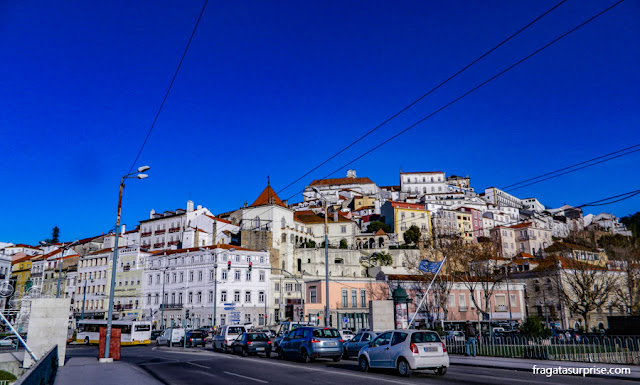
[(133, 332)]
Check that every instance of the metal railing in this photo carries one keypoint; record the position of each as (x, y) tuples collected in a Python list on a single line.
[(601, 349)]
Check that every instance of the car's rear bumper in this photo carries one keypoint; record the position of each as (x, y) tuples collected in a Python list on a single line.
[(327, 352), (417, 363)]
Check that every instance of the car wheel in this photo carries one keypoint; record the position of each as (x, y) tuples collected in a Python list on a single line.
[(304, 356), (403, 368), (364, 364), (86, 340), (441, 371), (268, 354), (280, 353), (244, 352), (337, 359)]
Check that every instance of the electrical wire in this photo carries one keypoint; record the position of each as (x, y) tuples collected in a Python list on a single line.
[(568, 167), (166, 95), (473, 89), (425, 95)]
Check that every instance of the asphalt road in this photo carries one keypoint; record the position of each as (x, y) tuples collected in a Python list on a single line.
[(177, 366)]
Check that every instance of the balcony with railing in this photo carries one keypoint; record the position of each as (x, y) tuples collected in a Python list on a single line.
[(161, 231), (158, 245), (123, 307), (527, 237), (171, 306), (501, 308), (147, 234), (173, 243), (174, 229), (462, 308)]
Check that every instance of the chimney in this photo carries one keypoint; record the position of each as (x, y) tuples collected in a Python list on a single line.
[(124, 227), (335, 216), (153, 212), (285, 202), (189, 206), (199, 207)]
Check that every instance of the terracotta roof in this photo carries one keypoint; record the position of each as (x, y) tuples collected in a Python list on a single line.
[(392, 188), (314, 218), (565, 246), (524, 255), (23, 245), (23, 259), (268, 196), (422, 172), (404, 205), (339, 181), (521, 225), (380, 232), (218, 219)]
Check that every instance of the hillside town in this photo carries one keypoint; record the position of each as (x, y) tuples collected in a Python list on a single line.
[(507, 258)]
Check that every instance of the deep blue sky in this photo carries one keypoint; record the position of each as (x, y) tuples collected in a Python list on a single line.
[(273, 88)]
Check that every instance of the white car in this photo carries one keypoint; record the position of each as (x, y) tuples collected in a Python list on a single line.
[(405, 350), (347, 335), (9, 341), (177, 334)]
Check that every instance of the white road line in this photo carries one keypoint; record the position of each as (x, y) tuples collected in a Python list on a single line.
[(201, 366), (248, 378)]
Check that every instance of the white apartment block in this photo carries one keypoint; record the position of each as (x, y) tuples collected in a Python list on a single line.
[(179, 280), (422, 183), (533, 204), (499, 198), (330, 188)]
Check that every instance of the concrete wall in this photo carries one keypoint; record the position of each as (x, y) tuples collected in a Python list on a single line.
[(48, 325), (381, 315)]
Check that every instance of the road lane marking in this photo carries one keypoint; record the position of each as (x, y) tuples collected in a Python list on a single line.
[(246, 377), (201, 366)]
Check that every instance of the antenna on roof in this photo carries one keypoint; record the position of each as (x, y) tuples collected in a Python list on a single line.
[(268, 181)]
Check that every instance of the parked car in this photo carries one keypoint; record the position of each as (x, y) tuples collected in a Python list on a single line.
[(252, 343), (268, 332), (453, 336), (225, 335), (284, 327), (195, 338), (170, 336), (352, 347), (346, 334), (308, 343), (156, 333), (405, 350), (9, 341)]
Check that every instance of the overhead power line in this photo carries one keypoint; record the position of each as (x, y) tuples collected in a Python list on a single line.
[(424, 96), (474, 89), (166, 95), (574, 170), (621, 197), (568, 167)]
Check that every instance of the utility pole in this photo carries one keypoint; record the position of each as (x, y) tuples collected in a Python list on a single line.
[(506, 270), (162, 305), (84, 296), (327, 316)]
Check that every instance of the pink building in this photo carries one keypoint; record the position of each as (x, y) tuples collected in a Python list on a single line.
[(476, 221), (348, 300)]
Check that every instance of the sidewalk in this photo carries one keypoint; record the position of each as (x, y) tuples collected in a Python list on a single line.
[(87, 370), (527, 365)]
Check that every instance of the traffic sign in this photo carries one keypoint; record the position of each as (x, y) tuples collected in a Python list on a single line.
[(230, 304), (229, 308), (234, 312), (345, 320)]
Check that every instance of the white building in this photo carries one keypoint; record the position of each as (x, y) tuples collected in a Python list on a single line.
[(499, 198), (533, 204), (330, 188), (177, 281), (421, 183)]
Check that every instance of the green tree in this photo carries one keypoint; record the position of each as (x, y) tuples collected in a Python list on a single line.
[(343, 244), (55, 236), (533, 327), (412, 235), (382, 259), (377, 225), (633, 224)]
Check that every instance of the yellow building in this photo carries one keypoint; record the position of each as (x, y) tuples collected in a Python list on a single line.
[(401, 216), (21, 272), (465, 226), (360, 201)]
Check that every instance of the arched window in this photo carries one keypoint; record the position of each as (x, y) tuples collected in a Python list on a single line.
[(283, 223), (284, 238), (424, 190), (257, 222), (292, 238)]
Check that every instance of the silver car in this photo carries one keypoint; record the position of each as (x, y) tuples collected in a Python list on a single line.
[(353, 346), (309, 343), (405, 350)]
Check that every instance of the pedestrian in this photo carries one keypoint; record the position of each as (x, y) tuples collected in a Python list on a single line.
[(471, 339)]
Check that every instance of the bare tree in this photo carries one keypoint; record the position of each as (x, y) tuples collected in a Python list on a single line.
[(584, 288), (624, 256)]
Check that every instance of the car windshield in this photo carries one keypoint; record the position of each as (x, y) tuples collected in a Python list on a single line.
[(326, 333), (236, 330), (420, 337), (257, 337)]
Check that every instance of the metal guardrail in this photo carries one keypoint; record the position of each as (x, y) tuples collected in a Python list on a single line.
[(601, 349), (42, 372)]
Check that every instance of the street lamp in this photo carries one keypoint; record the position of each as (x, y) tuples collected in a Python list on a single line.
[(327, 317), (115, 258)]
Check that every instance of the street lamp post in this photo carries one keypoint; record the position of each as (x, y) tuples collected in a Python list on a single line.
[(162, 305), (115, 258), (327, 316)]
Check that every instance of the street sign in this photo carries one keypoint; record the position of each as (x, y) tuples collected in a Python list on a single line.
[(234, 312), (230, 304), (345, 320), (229, 308)]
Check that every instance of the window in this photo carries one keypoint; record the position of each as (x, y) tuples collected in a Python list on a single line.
[(345, 299), (223, 296), (382, 340), (247, 297), (261, 275), (148, 299), (261, 297), (288, 287), (200, 275), (462, 301), (157, 299), (175, 277), (210, 275), (150, 279), (512, 298), (260, 319), (298, 287), (248, 276), (157, 279), (354, 298), (312, 294), (343, 229), (190, 297), (210, 296), (181, 277), (237, 258), (363, 298), (277, 286), (199, 298), (191, 276), (224, 274), (398, 338), (236, 296), (237, 275)]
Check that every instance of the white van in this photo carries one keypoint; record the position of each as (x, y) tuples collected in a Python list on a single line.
[(176, 338), (225, 335)]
